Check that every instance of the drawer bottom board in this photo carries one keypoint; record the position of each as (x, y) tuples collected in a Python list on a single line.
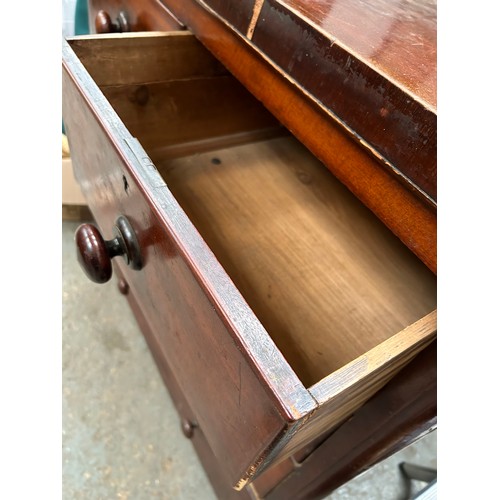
[(325, 277)]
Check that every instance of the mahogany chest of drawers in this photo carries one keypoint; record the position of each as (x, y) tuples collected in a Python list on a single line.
[(283, 314)]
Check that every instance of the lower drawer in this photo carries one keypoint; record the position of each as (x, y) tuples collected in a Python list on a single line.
[(278, 300)]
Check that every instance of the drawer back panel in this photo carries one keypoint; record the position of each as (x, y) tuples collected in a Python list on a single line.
[(172, 94)]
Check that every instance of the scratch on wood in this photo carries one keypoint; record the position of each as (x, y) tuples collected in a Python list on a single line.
[(253, 22)]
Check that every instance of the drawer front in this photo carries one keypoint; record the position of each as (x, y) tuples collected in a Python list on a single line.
[(187, 420), (236, 382)]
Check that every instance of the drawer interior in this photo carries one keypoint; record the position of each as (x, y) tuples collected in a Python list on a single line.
[(325, 277)]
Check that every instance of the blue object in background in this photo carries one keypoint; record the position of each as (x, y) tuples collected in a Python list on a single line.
[(81, 18), (81, 24)]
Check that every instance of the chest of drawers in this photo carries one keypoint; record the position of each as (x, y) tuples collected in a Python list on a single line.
[(277, 306)]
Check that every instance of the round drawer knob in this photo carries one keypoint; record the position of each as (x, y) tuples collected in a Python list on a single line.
[(188, 428), (123, 286), (95, 254), (104, 24)]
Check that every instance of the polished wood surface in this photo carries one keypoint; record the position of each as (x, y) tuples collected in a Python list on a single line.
[(372, 67), (392, 122), (398, 38), (237, 14), (95, 253), (92, 254), (215, 471), (104, 23), (399, 206), (192, 334), (346, 297), (327, 280)]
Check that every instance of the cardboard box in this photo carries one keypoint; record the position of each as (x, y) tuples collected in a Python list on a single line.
[(74, 206)]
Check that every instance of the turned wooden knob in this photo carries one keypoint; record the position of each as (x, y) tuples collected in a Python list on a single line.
[(188, 428), (123, 286), (95, 253), (104, 24)]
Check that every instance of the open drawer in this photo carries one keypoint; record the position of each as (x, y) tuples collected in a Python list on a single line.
[(278, 301)]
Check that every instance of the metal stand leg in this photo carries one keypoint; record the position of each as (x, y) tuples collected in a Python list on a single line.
[(412, 472)]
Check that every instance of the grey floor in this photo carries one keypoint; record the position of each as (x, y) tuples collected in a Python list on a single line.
[(121, 434)]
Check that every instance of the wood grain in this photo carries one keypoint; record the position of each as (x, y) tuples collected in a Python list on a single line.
[(325, 277), (383, 192), (215, 471), (165, 115), (378, 109), (238, 14), (372, 83), (172, 94), (389, 425), (397, 38), (343, 392), (394, 418), (270, 211), (139, 58)]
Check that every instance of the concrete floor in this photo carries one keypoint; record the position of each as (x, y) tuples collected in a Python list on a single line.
[(121, 433)]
